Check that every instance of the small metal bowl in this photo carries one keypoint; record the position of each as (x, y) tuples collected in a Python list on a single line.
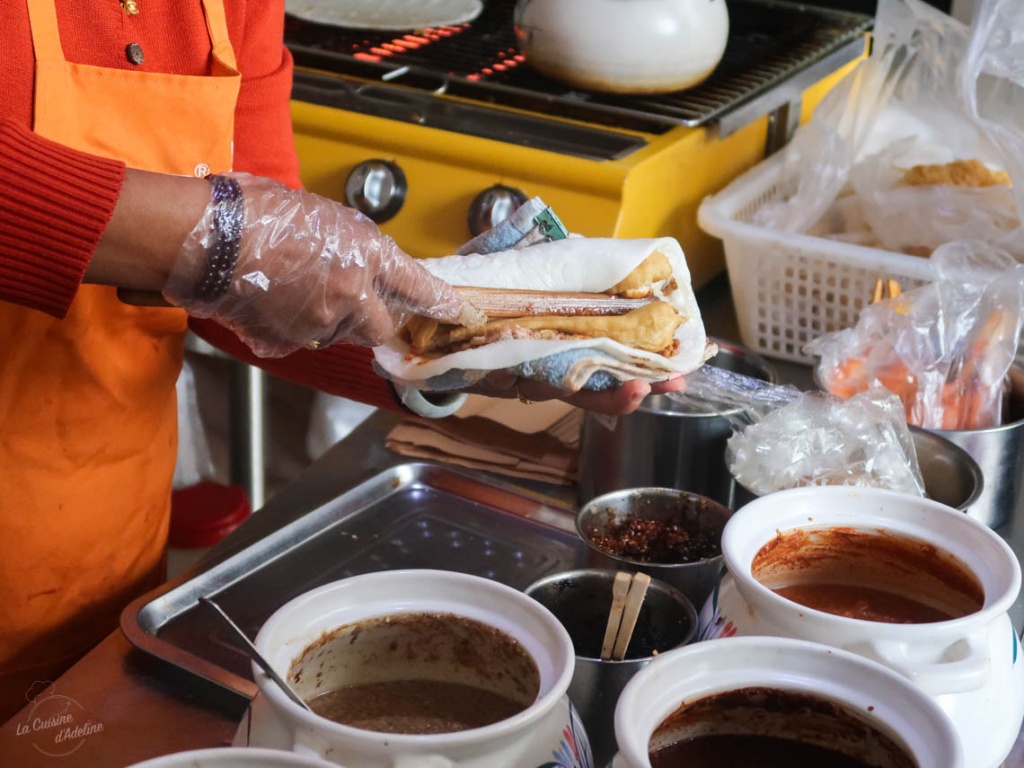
[(951, 476), (693, 513)]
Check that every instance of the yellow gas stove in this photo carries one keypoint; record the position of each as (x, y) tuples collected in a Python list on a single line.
[(439, 134)]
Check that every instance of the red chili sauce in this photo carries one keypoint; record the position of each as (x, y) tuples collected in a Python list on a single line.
[(657, 541), (865, 603), (868, 575)]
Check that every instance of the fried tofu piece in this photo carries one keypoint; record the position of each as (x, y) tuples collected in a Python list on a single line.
[(959, 173)]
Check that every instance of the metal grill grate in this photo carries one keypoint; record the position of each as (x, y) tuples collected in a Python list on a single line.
[(768, 43)]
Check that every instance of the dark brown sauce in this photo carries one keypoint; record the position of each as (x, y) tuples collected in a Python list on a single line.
[(865, 603), (761, 727), (727, 751), (414, 706)]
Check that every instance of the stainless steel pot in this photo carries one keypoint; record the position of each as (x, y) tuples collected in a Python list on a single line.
[(580, 600), (999, 451), (665, 444)]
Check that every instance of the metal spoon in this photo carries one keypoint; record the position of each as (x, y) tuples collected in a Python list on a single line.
[(255, 655)]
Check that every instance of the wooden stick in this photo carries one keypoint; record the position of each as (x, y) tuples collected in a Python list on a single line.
[(634, 601), (876, 294), (620, 588), (885, 289), (507, 302)]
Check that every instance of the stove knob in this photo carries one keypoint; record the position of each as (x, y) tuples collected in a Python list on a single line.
[(493, 206), (377, 188)]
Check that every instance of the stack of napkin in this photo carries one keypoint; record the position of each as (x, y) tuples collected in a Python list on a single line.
[(536, 441)]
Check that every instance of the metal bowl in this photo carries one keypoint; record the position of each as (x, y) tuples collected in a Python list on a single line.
[(694, 513)]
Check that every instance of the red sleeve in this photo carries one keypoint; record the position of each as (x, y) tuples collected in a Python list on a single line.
[(264, 144), (57, 202), (342, 369)]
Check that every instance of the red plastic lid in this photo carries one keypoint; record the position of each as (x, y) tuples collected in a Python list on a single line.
[(203, 514)]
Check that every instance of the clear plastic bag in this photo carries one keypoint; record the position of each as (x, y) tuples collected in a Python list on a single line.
[(740, 399), (992, 82), (784, 438), (818, 439), (917, 219), (933, 92), (945, 349)]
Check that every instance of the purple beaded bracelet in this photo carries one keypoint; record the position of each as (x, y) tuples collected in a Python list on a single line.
[(228, 220)]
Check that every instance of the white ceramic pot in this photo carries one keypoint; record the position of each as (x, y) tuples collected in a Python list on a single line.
[(970, 666), (623, 46), (549, 727), (882, 699), (233, 757)]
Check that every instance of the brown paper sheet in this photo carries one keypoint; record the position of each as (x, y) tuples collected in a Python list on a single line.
[(489, 440)]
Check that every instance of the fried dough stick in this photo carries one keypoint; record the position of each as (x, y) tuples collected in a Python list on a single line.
[(651, 327)]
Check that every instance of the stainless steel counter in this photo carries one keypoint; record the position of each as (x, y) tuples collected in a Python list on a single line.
[(147, 710)]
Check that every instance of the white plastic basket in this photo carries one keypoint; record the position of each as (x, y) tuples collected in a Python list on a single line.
[(790, 288)]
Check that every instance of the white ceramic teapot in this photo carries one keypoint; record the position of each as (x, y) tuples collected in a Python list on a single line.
[(971, 665), (623, 46), (547, 732)]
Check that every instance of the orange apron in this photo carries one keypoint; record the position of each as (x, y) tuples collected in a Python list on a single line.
[(88, 420)]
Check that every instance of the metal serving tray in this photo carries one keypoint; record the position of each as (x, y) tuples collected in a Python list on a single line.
[(409, 516)]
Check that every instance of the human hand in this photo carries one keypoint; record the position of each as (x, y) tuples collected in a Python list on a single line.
[(309, 271), (617, 401)]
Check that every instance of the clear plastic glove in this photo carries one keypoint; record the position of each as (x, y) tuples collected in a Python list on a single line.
[(310, 272)]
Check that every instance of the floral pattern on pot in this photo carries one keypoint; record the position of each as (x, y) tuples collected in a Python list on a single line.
[(573, 751), (711, 624)]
